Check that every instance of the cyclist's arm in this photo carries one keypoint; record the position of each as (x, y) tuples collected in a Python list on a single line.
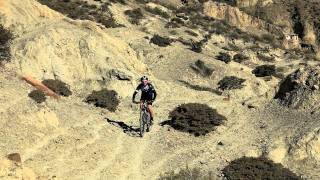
[(135, 92), (154, 93)]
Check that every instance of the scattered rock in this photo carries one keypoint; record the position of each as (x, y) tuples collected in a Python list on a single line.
[(257, 168), (14, 157), (58, 87), (200, 67), (306, 147), (231, 82), (197, 119), (37, 96), (105, 99), (264, 70), (119, 75), (298, 86)]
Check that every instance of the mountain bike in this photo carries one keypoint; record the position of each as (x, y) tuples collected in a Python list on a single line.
[(145, 122)]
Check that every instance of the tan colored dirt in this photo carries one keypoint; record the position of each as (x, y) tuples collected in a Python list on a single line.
[(69, 139)]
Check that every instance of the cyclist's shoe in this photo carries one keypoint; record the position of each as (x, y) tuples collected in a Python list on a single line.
[(148, 129)]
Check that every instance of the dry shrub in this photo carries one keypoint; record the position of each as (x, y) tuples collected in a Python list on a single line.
[(58, 87), (38, 96), (231, 82), (105, 99), (251, 168), (194, 118)]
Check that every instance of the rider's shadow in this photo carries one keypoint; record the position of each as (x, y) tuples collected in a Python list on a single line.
[(129, 130)]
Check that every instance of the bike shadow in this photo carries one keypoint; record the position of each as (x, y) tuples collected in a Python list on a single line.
[(129, 130), (166, 122)]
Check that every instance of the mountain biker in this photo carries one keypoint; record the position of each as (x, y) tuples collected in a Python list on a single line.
[(148, 93)]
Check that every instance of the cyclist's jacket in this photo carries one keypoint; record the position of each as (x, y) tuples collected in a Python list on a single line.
[(147, 92)]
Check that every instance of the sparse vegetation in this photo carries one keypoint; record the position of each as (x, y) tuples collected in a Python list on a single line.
[(268, 38), (135, 15), (105, 99), (200, 67), (196, 46), (201, 88), (5, 37), (58, 87), (231, 82), (251, 168), (239, 58), (264, 70), (191, 33), (186, 174), (196, 119), (38, 96), (159, 12), (85, 11), (161, 41), (265, 58), (224, 57)]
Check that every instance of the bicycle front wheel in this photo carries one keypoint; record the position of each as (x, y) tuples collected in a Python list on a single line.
[(142, 124)]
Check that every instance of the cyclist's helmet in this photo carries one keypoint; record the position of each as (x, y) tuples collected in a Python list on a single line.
[(144, 78)]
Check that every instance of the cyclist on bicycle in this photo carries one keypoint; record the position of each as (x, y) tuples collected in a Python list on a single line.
[(148, 93)]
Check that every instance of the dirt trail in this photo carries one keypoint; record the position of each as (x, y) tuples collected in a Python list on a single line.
[(70, 139)]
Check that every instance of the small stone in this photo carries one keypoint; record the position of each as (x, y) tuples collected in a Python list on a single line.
[(14, 157), (220, 143), (120, 75), (315, 87)]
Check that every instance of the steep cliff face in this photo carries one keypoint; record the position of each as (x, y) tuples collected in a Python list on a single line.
[(238, 18), (46, 47), (299, 17), (251, 3)]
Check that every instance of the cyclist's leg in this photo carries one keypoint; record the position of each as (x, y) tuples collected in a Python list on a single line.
[(141, 103), (150, 110)]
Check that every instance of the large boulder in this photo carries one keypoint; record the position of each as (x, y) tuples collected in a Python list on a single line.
[(296, 89)]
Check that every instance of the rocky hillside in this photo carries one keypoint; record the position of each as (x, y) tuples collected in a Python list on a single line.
[(230, 96)]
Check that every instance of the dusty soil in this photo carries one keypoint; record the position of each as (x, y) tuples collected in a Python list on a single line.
[(71, 139)]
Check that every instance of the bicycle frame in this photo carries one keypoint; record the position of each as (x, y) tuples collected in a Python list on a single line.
[(144, 118)]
